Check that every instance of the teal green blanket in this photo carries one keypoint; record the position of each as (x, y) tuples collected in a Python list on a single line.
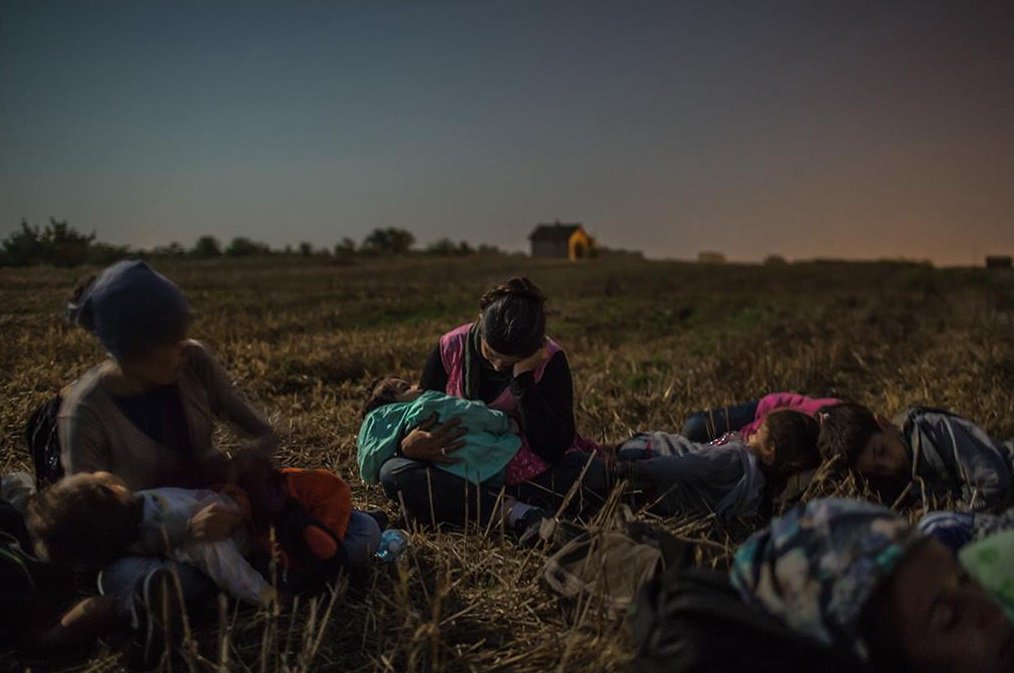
[(490, 442)]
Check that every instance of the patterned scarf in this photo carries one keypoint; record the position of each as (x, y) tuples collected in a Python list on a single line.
[(473, 351), (476, 368), (816, 567)]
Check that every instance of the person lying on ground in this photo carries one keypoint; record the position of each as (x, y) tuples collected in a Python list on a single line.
[(855, 576), (733, 476), (89, 520), (41, 617), (935, 457), (746, 417)]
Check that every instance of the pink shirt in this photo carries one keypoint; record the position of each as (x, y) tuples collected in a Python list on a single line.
[(794, 401)]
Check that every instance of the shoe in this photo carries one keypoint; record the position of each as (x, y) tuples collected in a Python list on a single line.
[(527, 528), (380, 517)]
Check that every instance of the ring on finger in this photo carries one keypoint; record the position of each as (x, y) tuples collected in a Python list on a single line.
[(443, 451)]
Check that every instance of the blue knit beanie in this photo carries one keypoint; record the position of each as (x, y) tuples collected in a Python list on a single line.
[(131, 308)]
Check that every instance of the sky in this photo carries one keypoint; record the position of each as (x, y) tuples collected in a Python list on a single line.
[(853, 129)]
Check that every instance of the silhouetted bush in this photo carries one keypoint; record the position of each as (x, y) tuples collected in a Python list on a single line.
[(389, 241), (445, 247), (206, 247), (58, 244), (241, 246)]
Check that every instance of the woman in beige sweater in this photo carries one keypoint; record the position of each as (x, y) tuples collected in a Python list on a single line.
[(147, 414)]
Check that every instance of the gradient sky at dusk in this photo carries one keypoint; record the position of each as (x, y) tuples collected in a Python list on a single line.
[(848, 129)]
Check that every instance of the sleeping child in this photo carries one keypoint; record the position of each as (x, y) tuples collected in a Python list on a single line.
[(88, 520), (947, 458), (395, 406), (730, 476), (746, 417)]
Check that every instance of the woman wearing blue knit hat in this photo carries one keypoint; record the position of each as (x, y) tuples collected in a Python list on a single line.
[(856, 576), (147, 415)]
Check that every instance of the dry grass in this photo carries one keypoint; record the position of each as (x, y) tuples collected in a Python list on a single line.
[(648, 343)]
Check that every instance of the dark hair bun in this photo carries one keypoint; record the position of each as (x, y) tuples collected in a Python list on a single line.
[(513, 318), (518, 287)]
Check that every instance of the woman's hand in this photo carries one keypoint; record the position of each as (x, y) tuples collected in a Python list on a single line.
[(215, 522), (533, 361), (434, 442)]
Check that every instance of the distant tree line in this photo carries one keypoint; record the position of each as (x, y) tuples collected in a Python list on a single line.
[(59, 244)]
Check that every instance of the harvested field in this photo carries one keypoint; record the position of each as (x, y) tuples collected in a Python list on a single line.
[(648, 343)]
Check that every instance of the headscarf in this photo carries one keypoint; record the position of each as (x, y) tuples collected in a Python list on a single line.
[(131, 307), (816, 567)]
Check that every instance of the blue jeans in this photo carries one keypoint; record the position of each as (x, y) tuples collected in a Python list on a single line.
[(361, 538), (459, 502), (122, 579), (704, 426)]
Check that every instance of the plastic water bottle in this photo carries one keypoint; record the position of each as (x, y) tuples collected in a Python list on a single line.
[(393, 543)]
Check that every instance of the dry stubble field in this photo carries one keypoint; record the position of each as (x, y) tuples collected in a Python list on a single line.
[(648, 342)]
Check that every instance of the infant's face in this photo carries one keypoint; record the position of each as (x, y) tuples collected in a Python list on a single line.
[(113, 483), (409, 395)]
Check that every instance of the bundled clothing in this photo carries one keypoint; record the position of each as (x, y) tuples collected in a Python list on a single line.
[(953, 458), (991, 562), (721, 477), (324, 495), (490, 444)]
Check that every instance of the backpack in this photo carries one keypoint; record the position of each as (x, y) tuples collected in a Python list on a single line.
[(607, 563), (44, 443), (17, 588), (12, 524), (693, 621)]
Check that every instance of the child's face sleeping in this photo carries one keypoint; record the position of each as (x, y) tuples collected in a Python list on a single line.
[(112, 483), (408, 395), (760, 442), (885, 455), (933, 616)]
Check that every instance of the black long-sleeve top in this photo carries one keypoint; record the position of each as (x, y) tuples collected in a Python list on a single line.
[(545, 409)]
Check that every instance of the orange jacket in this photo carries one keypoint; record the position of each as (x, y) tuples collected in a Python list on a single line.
[(324, 494)]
